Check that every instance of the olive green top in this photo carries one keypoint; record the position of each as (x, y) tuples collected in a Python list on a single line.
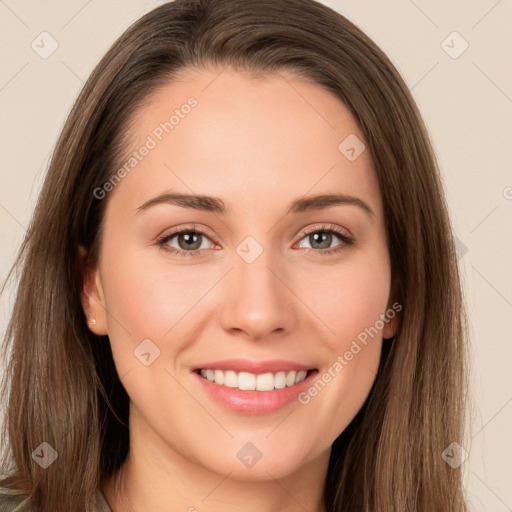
[(10, 502)]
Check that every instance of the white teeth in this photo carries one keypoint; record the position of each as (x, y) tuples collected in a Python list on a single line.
[(249, 381), (280, 380), (219, 376), (230, 379), (301, 376), (290, 378), (266, 382)]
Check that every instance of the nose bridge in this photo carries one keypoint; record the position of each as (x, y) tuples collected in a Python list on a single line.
[(258, 302)]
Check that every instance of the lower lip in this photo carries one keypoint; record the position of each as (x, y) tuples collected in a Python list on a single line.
[(254, 402)]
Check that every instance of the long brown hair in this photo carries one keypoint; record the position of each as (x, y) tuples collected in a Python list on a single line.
[(61, 385)]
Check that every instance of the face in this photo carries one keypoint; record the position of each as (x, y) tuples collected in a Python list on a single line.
[(259, 285)]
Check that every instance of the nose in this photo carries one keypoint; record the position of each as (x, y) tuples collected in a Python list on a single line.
[(258, 299)]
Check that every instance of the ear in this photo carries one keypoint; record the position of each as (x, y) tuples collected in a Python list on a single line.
[(91, 295), (393, 319)]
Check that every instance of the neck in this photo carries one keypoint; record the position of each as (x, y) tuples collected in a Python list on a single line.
[(156, 479)]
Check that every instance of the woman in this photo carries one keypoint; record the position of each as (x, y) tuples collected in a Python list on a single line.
[(179, 340)]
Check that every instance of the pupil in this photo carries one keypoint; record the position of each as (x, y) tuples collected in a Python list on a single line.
[(193, 238), (325, 239)]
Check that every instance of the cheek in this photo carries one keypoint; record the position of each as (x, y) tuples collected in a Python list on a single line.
[(349, 299), (148, 298), (353, 310), (152, 300)]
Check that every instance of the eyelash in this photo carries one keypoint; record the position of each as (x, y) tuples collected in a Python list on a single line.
[(345, 239)]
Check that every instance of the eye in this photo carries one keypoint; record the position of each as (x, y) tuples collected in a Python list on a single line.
[(320, 239), (189, 242)]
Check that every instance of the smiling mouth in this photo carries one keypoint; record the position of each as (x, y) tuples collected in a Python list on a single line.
[(246, 381)]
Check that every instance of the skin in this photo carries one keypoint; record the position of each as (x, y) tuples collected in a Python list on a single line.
[(257, 143)]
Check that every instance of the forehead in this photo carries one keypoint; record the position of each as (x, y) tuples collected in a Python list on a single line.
[(263, 133)]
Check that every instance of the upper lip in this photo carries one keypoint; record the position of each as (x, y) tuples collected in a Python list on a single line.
[(256, 367)]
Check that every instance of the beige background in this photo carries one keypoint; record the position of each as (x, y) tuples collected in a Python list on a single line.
[(466, 102)]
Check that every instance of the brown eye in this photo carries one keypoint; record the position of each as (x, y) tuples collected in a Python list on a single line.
[(187, 242)]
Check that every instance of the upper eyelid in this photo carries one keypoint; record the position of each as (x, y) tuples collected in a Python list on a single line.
[(326, 227), (187, 229)]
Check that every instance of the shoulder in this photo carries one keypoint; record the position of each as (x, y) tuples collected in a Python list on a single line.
[(101, 501), (12, 502)]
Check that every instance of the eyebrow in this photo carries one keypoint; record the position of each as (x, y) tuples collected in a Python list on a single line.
[(216, 205)]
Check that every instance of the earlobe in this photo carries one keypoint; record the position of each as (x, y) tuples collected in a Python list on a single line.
[(91, 295), (393, 319), (389, 330)]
